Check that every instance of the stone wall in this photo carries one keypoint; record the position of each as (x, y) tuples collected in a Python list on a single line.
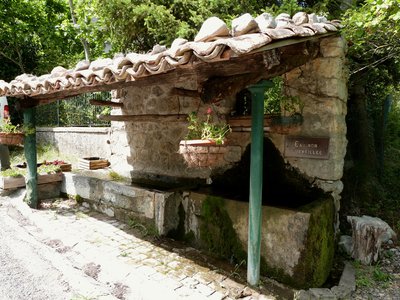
[(150, 149), (321, 86), (77, 142), (301, 240)]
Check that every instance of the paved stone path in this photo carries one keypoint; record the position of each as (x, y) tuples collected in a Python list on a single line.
[(132, 264)]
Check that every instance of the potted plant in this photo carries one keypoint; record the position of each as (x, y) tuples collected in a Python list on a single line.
[(204, 143), (15, 177), (11, 134)]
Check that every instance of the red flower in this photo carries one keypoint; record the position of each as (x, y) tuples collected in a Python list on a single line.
[(209, 111)]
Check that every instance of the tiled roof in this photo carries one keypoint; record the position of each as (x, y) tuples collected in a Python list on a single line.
[(247, 34)]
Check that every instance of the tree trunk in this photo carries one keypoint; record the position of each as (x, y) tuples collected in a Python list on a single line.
[(363, 134), (84, 42)]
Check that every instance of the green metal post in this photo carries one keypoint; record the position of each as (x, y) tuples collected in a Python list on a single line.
[(31, 157), (256, 180)]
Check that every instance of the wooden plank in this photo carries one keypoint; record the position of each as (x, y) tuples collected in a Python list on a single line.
[(105, 103), (221, 80), (11, 182), (47, 178), (185, 93), (171, 77), (16, 182), (245, 121), (145, 118), (264, 63)]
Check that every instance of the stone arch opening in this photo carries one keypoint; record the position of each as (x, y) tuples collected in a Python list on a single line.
[(283, 186)]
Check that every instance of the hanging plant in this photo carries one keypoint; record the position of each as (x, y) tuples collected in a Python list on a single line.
[(11, 134), (204, 143), (207, 130)]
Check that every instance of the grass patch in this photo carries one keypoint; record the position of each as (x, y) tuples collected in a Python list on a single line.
[(115, 176), (45, 152), (368, 276), (144, 230)]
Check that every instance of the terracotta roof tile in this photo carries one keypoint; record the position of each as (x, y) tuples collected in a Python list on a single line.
[(213, 39)]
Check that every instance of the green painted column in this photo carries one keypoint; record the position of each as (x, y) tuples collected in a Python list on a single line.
[(31, 157), (256, 181)]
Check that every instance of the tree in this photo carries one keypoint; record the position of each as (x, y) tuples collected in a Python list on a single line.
[(373, 33), (137, 25), (31, 38)]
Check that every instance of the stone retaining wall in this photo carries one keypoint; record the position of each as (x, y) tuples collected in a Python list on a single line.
[(296, 245), (77, 141), (150, 149)]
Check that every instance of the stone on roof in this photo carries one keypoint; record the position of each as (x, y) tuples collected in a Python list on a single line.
[(247, 34)]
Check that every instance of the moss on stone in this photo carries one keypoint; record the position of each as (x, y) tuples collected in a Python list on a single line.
[(178, 233), (317, 259), (317, 256), (217, 233), (219, 237)]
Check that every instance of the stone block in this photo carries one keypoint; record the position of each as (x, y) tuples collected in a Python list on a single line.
[(345, 244), (368, 234), (348, 278), (166, 212), (342, 293), (49, 190), (302, 295), (333, 47), (233, 154), (301, 240), (322, 294), (326, 68)]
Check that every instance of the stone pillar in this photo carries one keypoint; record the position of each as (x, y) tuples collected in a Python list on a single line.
[(321, 86)]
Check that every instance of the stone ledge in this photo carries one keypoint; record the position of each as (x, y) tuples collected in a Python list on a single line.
[(343, 291), (74, 129)]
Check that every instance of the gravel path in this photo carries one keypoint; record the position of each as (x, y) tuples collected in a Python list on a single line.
[(24, 272), (381, 281), (31, 270)]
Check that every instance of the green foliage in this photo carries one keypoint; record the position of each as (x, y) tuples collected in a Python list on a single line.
[(139, 25), (7, 127), (374, 35), (18, 172), (13, 172), (76, 111), (31, 40), (148, 230), (286, 6), (115, 176), (45, 152), (369, 276), (207, 129), (277, 101), (217, 232)]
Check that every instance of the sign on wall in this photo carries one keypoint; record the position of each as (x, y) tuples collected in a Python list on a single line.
[(307, 147)]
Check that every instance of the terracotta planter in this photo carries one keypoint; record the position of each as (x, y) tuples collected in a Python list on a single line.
[(11, 138), (202, 153)]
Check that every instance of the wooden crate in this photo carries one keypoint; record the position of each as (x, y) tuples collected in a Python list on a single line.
[(15, 182), (65, 167), (92, 163)]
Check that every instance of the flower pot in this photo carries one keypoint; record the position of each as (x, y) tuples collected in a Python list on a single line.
[(202, 153), (11, 138)]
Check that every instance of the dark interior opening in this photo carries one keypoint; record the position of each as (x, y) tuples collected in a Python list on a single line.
[(283, 186), (243, 103)]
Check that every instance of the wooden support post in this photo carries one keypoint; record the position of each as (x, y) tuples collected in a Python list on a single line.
[(256, 181), (31, 157), (145, 118), (105, 103)]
